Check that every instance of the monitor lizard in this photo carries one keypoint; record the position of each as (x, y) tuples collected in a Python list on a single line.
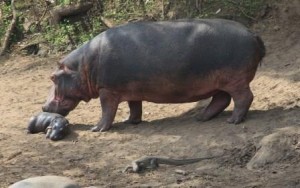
[(152, 162)]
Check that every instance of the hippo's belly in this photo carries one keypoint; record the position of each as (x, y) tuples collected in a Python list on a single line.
[(167, 92)]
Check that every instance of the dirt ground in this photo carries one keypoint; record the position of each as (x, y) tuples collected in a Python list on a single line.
[(264, 151)]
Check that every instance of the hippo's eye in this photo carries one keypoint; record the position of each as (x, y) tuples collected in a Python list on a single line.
[(60, 65)]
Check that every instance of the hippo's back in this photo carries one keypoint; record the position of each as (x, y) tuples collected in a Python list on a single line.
[(207, 41), (179, 49)]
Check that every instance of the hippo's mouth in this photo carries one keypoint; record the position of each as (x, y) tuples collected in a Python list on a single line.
[(64, 101), (60, 105)]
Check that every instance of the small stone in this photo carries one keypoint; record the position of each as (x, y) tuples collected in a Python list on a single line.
[(276, 28), (181, 172)]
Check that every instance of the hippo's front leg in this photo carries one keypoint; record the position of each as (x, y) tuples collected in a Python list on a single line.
[(109, 104)]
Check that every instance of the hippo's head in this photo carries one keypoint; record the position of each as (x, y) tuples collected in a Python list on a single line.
[(66, 92), (58, 129)]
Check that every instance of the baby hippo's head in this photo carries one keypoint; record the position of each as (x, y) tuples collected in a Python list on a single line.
[(58, 129)]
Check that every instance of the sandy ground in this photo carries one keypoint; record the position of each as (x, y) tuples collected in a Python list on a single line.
[(169, 129)]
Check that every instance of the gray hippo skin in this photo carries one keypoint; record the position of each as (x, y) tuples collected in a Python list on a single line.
[(162, 62), (54, 125), (46, 182)]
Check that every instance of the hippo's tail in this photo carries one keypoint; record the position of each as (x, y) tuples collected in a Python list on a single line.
[(261, 47)]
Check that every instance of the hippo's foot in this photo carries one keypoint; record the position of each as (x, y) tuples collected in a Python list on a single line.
[(98, 128), (133, 121), (135, 112), (202, 118), (242, 101), (219, 102), (235, 120)]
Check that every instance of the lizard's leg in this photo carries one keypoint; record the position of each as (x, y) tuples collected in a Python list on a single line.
[(135, 167), (153, 164)]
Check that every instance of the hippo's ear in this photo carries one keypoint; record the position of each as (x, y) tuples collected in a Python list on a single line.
[(53, 77), (60, 65)]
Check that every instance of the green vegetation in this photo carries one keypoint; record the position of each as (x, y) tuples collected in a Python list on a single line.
[(244, 9), (4, 22), (66, 33), (64, 2), (73, 32), (17, 35), (121, 10)]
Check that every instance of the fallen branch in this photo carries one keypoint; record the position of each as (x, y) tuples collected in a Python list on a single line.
[(108, 24), (10, 29), (59, 12)]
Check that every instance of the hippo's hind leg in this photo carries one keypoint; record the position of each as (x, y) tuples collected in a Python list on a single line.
[(109, 104), (242, 98), (219, 102), (135, 112)]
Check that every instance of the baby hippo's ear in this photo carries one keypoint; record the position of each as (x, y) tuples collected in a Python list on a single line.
[(67, 123), (48, 132), (60, 65)]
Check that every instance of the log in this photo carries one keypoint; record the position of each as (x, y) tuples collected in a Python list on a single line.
[(59, 12), (107, 23), (10, 29)]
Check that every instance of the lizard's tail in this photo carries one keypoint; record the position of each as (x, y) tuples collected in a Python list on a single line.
[(178, 162)]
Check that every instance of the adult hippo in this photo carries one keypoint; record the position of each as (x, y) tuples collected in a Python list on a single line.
[(162, 62)]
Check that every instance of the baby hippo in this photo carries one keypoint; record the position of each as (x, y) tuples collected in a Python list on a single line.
[(54, 125)]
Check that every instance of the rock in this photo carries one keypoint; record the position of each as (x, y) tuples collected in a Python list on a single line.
[(276, 28), (28, 24), (181, 172), (46, 182), (44, 50), (276, 147)]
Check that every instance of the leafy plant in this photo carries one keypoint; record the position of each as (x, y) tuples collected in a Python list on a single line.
[(74, 33), (5, 21), (71, 34), (233, 8)]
